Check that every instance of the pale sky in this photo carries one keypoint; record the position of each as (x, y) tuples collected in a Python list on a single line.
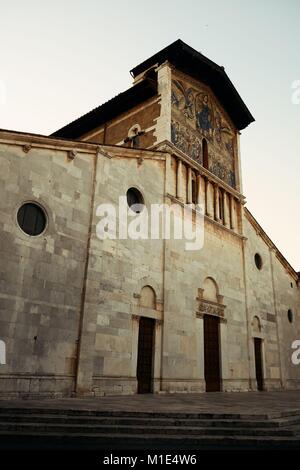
[(60, 59)]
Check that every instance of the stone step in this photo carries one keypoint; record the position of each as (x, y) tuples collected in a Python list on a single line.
[(144, 414), (150, 429), (145, 441), (117, 421)]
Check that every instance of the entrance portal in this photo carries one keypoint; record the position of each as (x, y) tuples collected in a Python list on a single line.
[(145, 355), (211, 353), (258, 364)]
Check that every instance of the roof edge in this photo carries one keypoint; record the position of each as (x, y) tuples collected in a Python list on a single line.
[(250, 217)]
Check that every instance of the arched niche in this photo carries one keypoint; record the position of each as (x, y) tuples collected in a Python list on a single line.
[(210, 290), (210, 301), (256, 325), (148, 297)]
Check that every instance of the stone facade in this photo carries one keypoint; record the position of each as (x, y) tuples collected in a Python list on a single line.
[(71, 304)]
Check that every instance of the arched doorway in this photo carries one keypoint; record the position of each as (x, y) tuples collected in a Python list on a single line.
[(145, 355), (211, 309), (258, 357), (212, 373)]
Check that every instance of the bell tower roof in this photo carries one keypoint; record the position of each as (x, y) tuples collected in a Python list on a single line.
[(195, 64)]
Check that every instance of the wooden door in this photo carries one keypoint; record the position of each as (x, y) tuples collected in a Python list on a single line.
[(258, 364), (145, 355), (212, 354)]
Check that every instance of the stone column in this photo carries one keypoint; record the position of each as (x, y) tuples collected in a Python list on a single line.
[(157, 356), (217, 205), (226, 209), (199, 189), (209, 199), (169, 175), (232, 213), (201, 192), (189, 186), (224, 354), (179, 181)]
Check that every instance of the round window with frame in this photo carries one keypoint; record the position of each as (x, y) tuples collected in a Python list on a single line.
[(32, 218)]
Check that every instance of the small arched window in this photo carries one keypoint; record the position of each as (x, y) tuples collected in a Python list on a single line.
[(135, 200), (133, 137), (205, 153), (258, 261)]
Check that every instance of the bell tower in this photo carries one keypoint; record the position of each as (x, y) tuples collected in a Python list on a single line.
[(201, 111)]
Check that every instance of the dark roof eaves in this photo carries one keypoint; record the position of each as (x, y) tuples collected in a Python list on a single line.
[(108, 110)]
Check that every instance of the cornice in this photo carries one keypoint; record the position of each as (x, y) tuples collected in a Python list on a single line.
[(30, 141)]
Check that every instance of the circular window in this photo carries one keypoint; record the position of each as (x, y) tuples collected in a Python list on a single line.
[(290, 316), (258, 261), (31, 218), (135, 200)]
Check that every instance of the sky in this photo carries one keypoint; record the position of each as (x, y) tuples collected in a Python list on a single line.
[(60, 59)]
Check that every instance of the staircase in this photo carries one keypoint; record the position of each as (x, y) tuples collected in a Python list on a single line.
[(41, 428)]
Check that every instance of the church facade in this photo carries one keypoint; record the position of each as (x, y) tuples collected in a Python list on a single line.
[(87, 316)]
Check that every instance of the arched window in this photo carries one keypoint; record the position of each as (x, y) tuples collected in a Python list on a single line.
[(133, 137), (205, 153), (135, 200), (258, 261)]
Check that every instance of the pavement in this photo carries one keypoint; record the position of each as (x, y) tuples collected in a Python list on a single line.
[(255, 403)]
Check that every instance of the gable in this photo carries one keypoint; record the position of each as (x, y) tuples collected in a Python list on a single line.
[(196, 65), (197, 115)]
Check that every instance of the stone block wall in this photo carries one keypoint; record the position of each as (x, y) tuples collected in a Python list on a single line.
[(42, 276)]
